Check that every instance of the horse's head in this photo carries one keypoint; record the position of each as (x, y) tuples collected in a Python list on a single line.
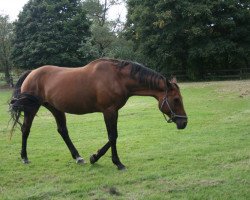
[(171, 104)]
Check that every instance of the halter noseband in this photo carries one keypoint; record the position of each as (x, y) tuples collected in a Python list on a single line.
[(173, 116)]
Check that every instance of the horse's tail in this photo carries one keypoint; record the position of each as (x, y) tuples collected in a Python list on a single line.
[(15, 105)]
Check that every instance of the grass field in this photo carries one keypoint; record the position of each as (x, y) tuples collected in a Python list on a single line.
[(210, 159)]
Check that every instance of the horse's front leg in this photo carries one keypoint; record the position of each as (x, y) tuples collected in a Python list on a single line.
[(95, 157), (111, 117)]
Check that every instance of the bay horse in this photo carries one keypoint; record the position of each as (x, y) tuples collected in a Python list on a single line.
[(104, 85)]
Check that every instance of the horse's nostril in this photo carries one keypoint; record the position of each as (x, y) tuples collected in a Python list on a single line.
[(184, 124)]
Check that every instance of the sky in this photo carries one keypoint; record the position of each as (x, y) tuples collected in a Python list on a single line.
[(13, 7)]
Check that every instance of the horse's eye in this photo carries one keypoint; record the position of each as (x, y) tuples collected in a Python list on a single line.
[(176, 100)]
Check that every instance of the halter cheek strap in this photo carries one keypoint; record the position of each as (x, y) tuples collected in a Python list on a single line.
[(173, 116)]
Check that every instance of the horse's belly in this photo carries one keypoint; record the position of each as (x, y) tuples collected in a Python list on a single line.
[(75, 106), (81, 109), (71, 100)]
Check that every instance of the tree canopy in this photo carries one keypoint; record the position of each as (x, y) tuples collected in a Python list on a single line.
[(191, 35), (50, 32), (6, 34), (167, 35), (106, 39)]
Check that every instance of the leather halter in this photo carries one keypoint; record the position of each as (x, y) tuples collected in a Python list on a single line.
[(173, 115)]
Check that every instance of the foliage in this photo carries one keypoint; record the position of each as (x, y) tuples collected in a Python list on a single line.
[(167, 35), (207, 160), (104, 32), (6, 34), (189, 35), (97, 10), (122, 48), (50, 32)]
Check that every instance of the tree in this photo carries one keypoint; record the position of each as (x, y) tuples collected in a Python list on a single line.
[(6, 34), (191, 35), (50, 32), (147, 29), (97, 10), (218, 36), (104, 32)]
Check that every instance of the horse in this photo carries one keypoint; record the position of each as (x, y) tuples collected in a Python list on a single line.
[(104, 85)]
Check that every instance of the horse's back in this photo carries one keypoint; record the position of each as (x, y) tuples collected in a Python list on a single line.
[(76, 90), (42, 77)]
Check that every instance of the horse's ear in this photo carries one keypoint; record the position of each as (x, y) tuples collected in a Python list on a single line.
[(173, 79)]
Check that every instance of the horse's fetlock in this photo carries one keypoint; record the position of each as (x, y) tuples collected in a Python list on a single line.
[(116, 161), (23, 155)]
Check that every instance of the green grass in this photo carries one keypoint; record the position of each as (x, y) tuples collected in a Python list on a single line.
[(210, 159)]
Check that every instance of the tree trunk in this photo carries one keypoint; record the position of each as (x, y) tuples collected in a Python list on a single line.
[(7, 74)]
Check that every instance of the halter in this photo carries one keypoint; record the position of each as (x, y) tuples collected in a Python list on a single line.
[(173, 116)]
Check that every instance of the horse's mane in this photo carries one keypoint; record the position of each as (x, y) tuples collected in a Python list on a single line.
[(144, 75)]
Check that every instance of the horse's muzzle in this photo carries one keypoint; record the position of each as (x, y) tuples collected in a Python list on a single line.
[(181, 123)]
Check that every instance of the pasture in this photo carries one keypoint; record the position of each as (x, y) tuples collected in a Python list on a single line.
[(210, 159)]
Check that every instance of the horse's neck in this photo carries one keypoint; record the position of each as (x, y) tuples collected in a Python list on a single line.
[(145, 92), (142, 90)]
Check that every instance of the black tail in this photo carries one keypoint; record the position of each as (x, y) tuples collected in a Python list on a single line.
[(15, 106)]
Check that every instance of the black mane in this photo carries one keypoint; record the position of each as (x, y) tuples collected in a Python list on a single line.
[(144, 75)]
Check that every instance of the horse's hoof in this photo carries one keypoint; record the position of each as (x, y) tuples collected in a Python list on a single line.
[(92, 159), (80, 161), (121, 167), (25, 161)]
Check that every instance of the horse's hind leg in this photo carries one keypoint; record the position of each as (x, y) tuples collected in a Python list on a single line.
[(28, 119), (63, 131)]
